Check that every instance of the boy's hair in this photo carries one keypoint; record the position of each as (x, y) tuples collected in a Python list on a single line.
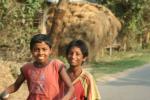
[(80, 44), (38, 38)]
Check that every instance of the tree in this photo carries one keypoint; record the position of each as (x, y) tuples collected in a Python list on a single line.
[(57, 24)]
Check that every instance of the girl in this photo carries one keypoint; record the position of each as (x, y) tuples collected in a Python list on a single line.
[(84, 84), (42, 75)]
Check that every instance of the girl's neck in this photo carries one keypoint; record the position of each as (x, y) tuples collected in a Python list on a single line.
[(75, 69), (74, 72)]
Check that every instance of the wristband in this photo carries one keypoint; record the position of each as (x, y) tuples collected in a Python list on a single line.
[(4, 95)]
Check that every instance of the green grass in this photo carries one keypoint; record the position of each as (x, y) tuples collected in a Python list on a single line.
[(119, 62)]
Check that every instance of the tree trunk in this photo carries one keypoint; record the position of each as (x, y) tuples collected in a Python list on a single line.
[(58, 25)]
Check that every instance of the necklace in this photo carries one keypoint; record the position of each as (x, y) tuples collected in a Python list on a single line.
[(39, 65), (74, 74)]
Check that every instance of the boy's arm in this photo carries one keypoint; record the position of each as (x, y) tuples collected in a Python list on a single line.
[(68, 83), (12, 88)]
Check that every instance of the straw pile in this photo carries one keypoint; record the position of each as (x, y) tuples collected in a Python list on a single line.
[(93, 23)]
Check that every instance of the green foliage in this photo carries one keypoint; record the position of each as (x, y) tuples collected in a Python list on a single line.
[(3, 11), (19, 13), (134, 17), (17, 21)]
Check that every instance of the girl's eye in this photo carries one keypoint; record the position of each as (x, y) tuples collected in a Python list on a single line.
[(75, 53), (79, 54), (44, 49)]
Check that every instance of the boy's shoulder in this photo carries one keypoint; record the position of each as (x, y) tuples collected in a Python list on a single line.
[(56, 61), (26, 65)]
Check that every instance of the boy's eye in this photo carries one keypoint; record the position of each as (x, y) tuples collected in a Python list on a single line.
[(37, 49)]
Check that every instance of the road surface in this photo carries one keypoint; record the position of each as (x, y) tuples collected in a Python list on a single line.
[(135, 85)]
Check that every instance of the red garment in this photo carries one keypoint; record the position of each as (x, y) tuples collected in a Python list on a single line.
[(43, 83), (85, 87), (79, 93)]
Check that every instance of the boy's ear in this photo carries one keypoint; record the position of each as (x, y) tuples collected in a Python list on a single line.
[(51, 51)]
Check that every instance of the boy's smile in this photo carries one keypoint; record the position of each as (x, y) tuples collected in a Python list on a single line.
[(41, 52)]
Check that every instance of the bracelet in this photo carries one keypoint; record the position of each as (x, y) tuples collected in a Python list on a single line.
[(4, 95)]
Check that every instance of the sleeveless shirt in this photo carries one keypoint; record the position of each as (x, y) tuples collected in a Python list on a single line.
[(43, 82)]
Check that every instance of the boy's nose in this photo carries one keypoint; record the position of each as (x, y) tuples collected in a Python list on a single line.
[(40, 52)]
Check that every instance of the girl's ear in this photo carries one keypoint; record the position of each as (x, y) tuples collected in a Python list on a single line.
[(84, 59), (51, 51)]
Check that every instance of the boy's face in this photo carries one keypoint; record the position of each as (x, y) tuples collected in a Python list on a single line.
[(41, 52), (75, 57)]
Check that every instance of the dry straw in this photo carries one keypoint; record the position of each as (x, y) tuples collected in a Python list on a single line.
[(93, 23)]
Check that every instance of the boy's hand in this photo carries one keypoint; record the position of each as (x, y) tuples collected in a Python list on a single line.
[(65, 98), (4, 95)]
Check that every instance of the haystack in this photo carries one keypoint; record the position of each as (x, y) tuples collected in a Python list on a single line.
[(93, 23)]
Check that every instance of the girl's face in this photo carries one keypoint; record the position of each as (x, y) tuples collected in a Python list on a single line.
[(41, 52), (75, 57)]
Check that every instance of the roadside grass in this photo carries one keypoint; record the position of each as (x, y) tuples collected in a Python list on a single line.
[(119, 62), (108, 65)]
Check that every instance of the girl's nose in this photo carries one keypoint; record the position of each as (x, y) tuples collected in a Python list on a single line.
[(73, 55)]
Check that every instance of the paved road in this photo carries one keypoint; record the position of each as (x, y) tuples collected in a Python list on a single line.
[(134, 86)]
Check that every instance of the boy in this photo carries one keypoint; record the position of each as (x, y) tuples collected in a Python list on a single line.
[(42, 75)]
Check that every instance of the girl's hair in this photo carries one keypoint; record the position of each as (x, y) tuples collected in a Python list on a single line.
[(80, 44), (38, 38)]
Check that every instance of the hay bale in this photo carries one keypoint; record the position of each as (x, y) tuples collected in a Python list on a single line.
[(93, 23)]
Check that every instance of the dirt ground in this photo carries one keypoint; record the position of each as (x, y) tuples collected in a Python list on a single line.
[(6, 78)]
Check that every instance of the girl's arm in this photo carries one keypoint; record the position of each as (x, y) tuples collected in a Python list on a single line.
[(68, 83), (12, 88)]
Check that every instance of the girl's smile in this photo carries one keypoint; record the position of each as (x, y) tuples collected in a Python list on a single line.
[(75, 57)]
